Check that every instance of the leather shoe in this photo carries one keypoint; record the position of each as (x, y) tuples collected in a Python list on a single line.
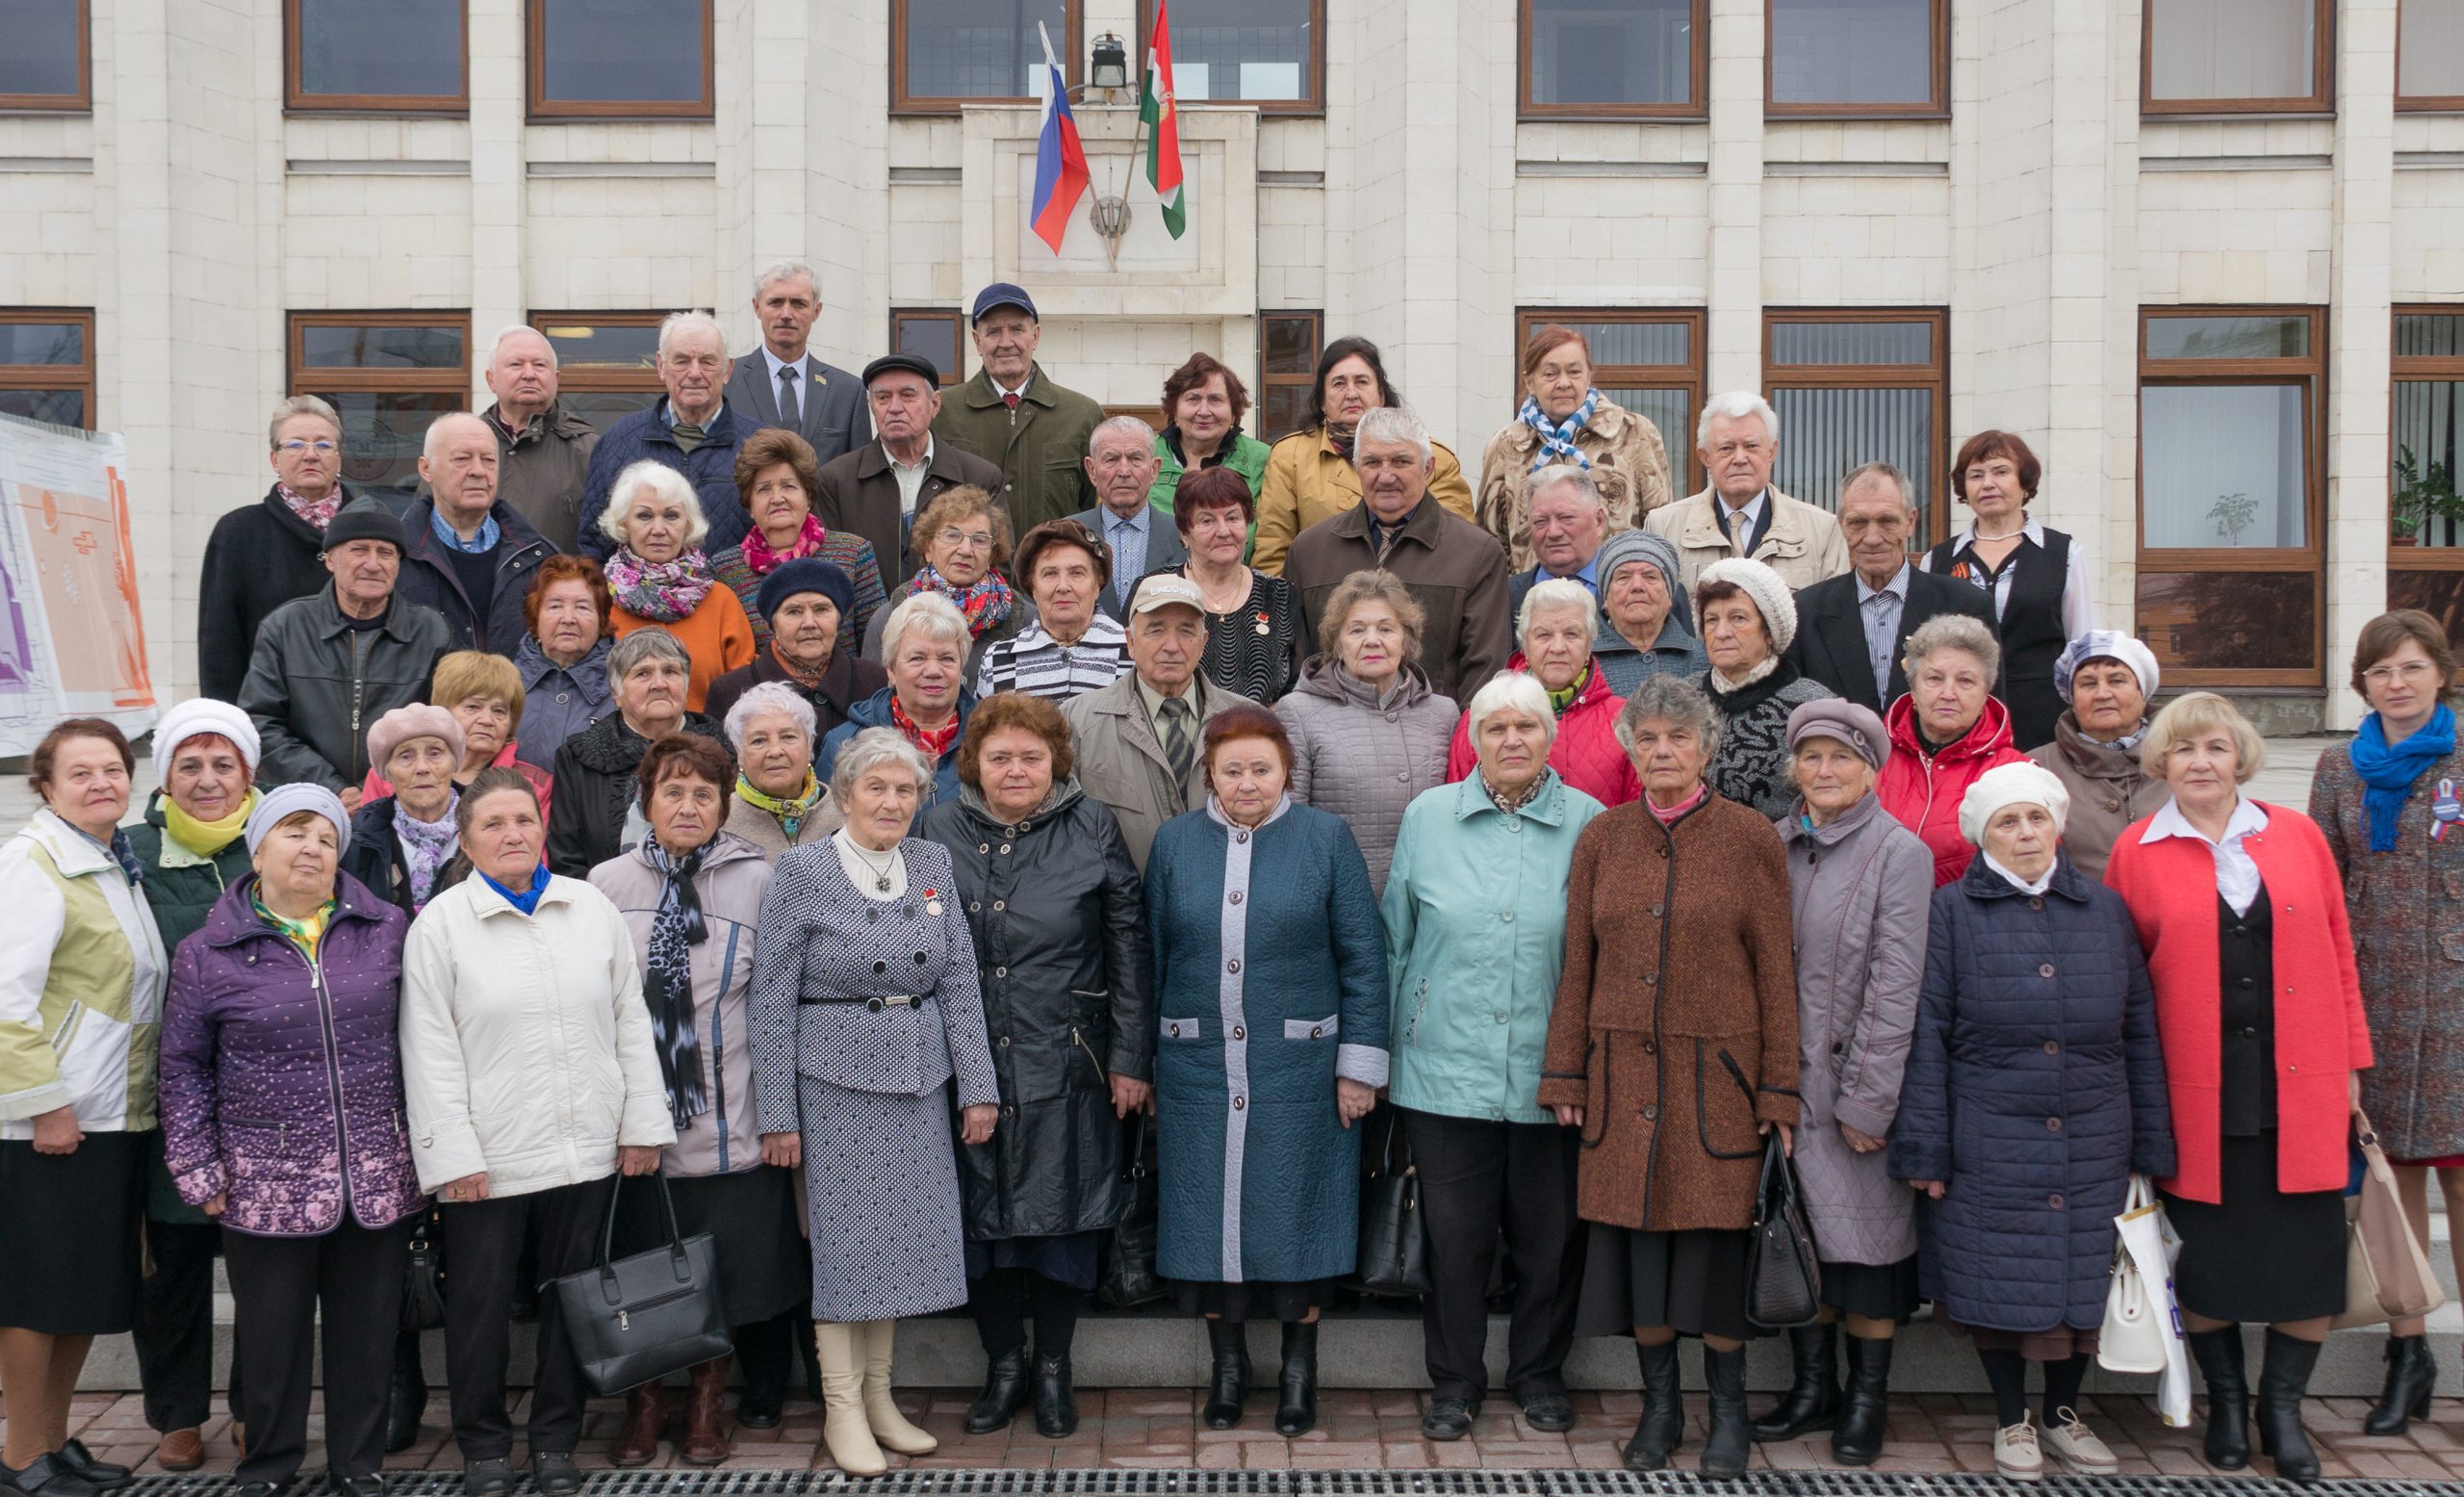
[(369, 1484), (1448, 1418), (181, 1450), (405, 1398), (487, 1478), (554, 1473), (1296, 1410), (46, 1476), (1005, 1393), (1552, 1412), (1056, 1401), (256, 1489), (761, 1407), (102, 1473)]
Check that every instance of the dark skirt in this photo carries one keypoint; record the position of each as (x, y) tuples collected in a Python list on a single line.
[(1068, 1259), (1877, 1291), (1692, 1282), (2058, 1345), (1258, 1300), (764, 1267), (69, 1254), (2261, 1254)]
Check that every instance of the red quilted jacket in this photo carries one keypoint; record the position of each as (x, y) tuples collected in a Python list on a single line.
[(1584, 753), (1923, 789)]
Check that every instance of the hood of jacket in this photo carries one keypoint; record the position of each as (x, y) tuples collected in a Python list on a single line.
[(874, 712), (1989, 736), (1839, 828), (2096, 760), (590, 672), (1324, 676), (1981, 881), (1055, 801)]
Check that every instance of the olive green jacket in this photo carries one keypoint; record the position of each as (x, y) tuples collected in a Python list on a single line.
[(1040, 448)]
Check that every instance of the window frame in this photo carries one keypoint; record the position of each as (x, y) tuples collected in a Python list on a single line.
[(1937, 376), (297, 100), (2413, 369), (600, 378), (1073, 63), (1696, 108), (79, 377), (951, 379), (1686, 476), (1315, 75), (2419, 103), (299, 378), (2321, 100), (81, 102), (543, 110), (1316, 318), (1938, 107)]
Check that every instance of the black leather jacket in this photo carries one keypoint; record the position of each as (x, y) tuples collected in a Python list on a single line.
[(316, 686)]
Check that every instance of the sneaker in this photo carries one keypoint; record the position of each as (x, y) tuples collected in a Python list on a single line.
[(2077, 1445), (1448, 1418), (2015, 1451)]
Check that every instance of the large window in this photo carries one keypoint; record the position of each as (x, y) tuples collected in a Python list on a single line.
[(2425, 560), (1834, 58), (619, 57), (1854, 387), (2429, 54), (1600, 59), (48, 365), (2231, 479), (1288, 344), (1650, 362), (606, 362), (388, 375), (2209, 57), (387, 56), (939, 336), (1270, 53), (945, 53), (45, 55)]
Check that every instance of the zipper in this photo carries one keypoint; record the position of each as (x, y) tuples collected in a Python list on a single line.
[(60, 1037), (1079, 1041), (358, 695), (333, 1057)]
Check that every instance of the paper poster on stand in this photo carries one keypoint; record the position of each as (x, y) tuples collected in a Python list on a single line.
[(72, 635)]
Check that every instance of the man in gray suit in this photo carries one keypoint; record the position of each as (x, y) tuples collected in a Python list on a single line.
[(1121, 463), (782, 385)]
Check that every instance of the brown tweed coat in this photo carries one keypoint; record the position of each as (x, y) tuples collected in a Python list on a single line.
[(1675, 1020)]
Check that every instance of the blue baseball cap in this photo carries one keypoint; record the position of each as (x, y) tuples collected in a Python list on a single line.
[(1002, 294)]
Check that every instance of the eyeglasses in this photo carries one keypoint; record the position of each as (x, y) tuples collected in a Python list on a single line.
[(974, 540), (2410, 673), (295, 447)]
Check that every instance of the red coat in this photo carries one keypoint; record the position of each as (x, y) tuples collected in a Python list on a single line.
[(2322, 1036), (1924, 792), (1584, 753)]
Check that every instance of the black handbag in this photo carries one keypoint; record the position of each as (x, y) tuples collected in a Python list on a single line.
[(423, 1277), (1129, 1272), (1782, 1277), (1394, 1234), (635, 1320)]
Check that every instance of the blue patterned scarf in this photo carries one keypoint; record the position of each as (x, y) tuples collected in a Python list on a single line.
[(1558, 439), (2390, 772)]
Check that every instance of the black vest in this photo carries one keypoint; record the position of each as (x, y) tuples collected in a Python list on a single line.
[(2029, 626)]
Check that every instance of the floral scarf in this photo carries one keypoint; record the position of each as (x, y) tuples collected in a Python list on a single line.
[(664, 592), (1557, 438), (318, 513), (667, 979), (307, 934), (790, 813), (986, 604), (763, 561), (936, 742), (426, 847)]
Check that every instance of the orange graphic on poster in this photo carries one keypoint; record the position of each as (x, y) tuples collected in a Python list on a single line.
[(87, 570)]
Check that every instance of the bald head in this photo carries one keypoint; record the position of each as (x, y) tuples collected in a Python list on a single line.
[(458, 463), (522, 374)]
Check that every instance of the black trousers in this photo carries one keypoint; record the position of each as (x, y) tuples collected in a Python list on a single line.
[(1478, 1179), (482, 1243), (279, 1285), (174, 1330)]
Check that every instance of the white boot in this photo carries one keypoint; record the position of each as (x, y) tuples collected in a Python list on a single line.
[(889, 1426), (844, 1430)]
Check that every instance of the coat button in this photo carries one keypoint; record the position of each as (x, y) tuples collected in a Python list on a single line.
[(2054, 1202), (1839, 1047), (2247, 982), (1173, 1031), (1232, 966), (2035, 903), (1005, 850), (1501, 1016), (1317, 1032), (1240, 1032), (2053, 1124), (1506, 914), (2241, 930), (923, 957), (974, 907), (880, 967), (2046, 970), (1650, 1047), (2250, 1031), (1515, 825), (1655, 909), (1003, 1042), (1241, 836), (984, 847), (1650, 979), (1240, 1104), (1000, 904), (1651, 1114), (998, 971), (2052, 1048), (1237, 897)]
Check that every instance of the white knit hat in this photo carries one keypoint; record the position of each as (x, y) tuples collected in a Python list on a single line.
[(2023, 784), (1771, 596), (283, 800), (205, 715)]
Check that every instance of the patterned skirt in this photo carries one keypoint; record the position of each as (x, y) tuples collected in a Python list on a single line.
[(881, 1173)]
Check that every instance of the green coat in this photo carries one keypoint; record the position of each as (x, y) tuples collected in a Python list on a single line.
[(1248, 458), (1040, 448), (180, 889)]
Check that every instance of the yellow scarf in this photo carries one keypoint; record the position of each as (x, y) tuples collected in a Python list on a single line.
[(205, 839)]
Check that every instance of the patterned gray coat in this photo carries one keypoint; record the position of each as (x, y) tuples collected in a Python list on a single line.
[(1363, 759), (1750, 763)]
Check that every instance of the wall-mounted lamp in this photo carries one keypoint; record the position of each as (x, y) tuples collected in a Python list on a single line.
[(1110, 69)]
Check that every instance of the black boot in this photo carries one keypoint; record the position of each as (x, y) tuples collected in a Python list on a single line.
[(1731, 1438), (1662, 1426), (1229, 1386), (2412, 1373), (406, 1400), (2228, 1396), (1296, 1410), (1056, 1402), (1812, 1402), (2284, 1376), (1005, 1392), (1857, 1440)]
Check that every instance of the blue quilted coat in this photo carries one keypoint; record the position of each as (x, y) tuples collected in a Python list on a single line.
[(2034, 1089)]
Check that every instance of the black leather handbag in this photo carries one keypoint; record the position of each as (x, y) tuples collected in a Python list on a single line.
[(635, 1320), (1394, 1234), (1129, 1272), (1784, 1278), (423, 1277)]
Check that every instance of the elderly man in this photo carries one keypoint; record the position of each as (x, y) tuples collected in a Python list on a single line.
[(692, 430), (782, 385), (1122, 462), (471, 553), (1569, 520), (1741, 514), (804, 601), (1137, 740), (266, 553), (1647, 627), (1013, 414), (542, 450), (1452, 567), (328, 665), (877, 490), (1852, 630)]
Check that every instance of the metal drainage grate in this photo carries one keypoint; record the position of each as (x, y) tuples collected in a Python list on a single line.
[(992, 1482)]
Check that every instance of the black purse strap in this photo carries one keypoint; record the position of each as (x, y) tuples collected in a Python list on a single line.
[(1137, 1165), (683, 1265), (1384, 1163)]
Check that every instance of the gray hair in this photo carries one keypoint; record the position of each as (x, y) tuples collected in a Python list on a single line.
[(301, 406), (1736, 405), (677, 323), (437, 428), (1876, 470), (1558, 592), (871, 749), (1953, 631), (666, 484), (1371, 585), (935, 615), (1674, 700), (786, 269), (1124, 425), (760, 701), (1391, 424), (510, 329), (1567, 473), (1516, 691), (646, 643)]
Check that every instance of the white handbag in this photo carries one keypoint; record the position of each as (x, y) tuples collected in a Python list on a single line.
[(2137, 1322)]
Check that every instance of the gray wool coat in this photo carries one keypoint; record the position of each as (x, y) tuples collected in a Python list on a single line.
[(1860, 889), (1362, 758)]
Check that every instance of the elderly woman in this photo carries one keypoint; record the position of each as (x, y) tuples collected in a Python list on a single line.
[(1055, 905), (2108, 679), (1859, 885), (400, 842), (1309, 474), (1366, 732), (596, 815), (2387, 805), (1253, 625), (484, 694), (282, 1096), (531, 1078), (563, 660), (804, 602), (924, 644), (1748, 617), (778, 801), (2241, 908), (658, 574), (1642, 594), (2036, 1019), (81, 998), (1072, 647), (1948, 730), (2036, 578), (865, 1011), (1677, 932), (964, 537), (777, 474), (1564, 418), (690, 896), (1259, 1217), (1204, 404), (1476, 925), (1559, 623)]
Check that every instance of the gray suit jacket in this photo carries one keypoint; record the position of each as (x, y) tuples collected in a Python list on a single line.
[(1163, 548), (835, 419)]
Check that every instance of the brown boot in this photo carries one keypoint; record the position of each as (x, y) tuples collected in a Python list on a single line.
[(181, 1450), (705, 1435), (636, 1444)]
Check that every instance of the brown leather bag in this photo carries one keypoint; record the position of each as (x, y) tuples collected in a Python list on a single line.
[(2387, 1276)]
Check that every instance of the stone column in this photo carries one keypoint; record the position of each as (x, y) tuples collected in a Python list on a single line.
[(1733, 355), (2360, 333)]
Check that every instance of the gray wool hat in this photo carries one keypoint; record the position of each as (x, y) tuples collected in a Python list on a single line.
[(1643, 546), (300, 796)]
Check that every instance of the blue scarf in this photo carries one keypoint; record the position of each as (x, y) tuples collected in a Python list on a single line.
[(2390, 772), (1557, 441), (526, 900)]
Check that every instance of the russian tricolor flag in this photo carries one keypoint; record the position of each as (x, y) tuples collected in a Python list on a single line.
[(1061, 162)]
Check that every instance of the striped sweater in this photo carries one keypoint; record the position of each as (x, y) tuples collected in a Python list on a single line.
[(1039, 665)]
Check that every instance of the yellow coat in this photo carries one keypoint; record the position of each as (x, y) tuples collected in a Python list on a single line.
[(1307, 480)]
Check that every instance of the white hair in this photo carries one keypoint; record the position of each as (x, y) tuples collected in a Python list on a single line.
[(763, 700), (1125, 426), (1558, 592), (1390, 424), (871, 748), (1952, 631), (665, 484), (1736, 405), (436, 432), (786, 269), (301, 406), (1671, 699), (935, 615), (1518, 692), (677, 323), (509, 329), (1579, 480)]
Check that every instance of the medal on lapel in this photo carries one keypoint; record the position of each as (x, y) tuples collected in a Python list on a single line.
[(2444, 810), (933, 902)]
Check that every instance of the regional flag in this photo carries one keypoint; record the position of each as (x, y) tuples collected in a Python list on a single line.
[(1158, 110), (1061, 160)]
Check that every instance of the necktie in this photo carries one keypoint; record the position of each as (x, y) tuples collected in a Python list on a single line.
[(790, 414), (1177, 739), (1010, 399), (1740, 526)]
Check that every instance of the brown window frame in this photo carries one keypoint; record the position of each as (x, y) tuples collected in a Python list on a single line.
[(55, 376), (542, 109), (299, 378), (1685, 475), (296, 100), (2308, 560), (958, 340), (2406, 370), (1073, 64), (1938, 107), (602, 379), (1936, 376), (2322, 99), (2419, 103), (1314, 103), (1697, 107), (1316, 318), (83, 100)]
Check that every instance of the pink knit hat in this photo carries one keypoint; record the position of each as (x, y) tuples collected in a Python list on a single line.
[(417, 721)]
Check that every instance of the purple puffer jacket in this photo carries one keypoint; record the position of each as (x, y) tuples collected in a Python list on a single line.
[(260, 1058)]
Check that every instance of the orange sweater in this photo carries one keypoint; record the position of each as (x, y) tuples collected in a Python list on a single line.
[(717, 635)]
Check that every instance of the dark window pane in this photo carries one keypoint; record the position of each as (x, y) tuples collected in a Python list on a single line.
[(624, 51), (60, 407), (332, 345), (2438, 594), (1612, 51), (2430, 49), (2221, 466), (1672, 411), (1291, 345), (1282, 410), (1634, 345), (988, 49), (2230, 620), (603, 345), (600, 407), (1852, 343), (407, 48), (2231, 49), (1236, 49), (42, 343), (935, 339), (2228, 337), (40, 53), (381, 434), (1824, 433), (2426, 439), (2431, 335), (1852, 51)]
